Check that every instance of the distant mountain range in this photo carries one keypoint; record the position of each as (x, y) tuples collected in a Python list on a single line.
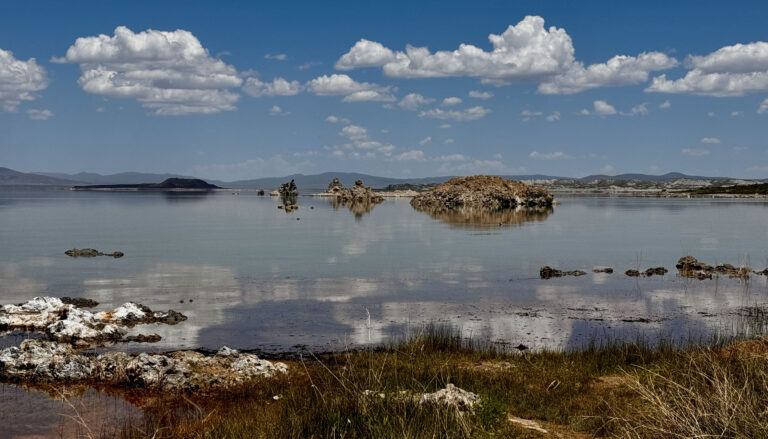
[(306, 183)]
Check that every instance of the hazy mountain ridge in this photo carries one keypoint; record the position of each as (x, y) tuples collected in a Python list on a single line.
[(319, 182)]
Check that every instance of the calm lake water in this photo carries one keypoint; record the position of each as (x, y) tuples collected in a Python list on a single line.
[(249, 275)]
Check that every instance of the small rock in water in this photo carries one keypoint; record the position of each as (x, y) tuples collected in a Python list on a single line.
[(603, 270), (548, 272), (659, 271), (632, 273)]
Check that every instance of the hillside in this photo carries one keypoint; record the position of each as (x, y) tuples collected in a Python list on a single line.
[(170, 183), (747, 189), (9, 177)]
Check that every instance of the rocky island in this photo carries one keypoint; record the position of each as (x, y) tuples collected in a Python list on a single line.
[(482, 191), (168, 184)]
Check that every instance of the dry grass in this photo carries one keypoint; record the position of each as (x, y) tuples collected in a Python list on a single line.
[(619, 390)]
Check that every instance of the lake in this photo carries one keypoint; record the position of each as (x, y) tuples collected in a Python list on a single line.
[(251, 276)]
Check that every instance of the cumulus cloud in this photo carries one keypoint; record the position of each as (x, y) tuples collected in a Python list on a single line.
[(451, 101), (710, 140), (413, 101), (472, 113), (353, 91), (425, 140), (39, 114), (528, 114), (603, 108), (277, 111), (19, 80), (664, 105), (360, 141), (729, 71), (638, 110), (548, 155), (554, 116), (480, 94), (335, 119), (278, 87), (525, 52), (763, 107), (619, 70), (412, 155), (694, 152), (168, 72)]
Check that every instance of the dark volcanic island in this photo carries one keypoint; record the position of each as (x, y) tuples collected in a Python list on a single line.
[(167, 184)]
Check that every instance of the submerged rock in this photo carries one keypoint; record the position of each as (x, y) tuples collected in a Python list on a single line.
[(483, 191), (91, 253), (548, 272)]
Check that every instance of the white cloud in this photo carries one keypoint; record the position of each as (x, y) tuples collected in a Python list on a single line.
[(168, 72), (278, 56), (607, 169), (525, 52), (39, 114), (452, 158), (335, 119), (354, 132), (729, 71), (451, 101), (277, 111), (619, 70), (763, 107), (353, 91), (472, 113), (369, 96), (413, 101), (448, 141), (554, 116), (737, 113), (711, 114), (425, 140), (19, 80), (665, 105), (445, 126), (584, 112), (477, 166), (278, 87), (694, 152), (480, 94), (528, 114), (710, 140), (308, 65), (603, 108), (638, 110), (412, 155), (548, 155)]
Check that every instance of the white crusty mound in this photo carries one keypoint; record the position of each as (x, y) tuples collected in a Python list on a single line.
[(44, 361), (68, 323)]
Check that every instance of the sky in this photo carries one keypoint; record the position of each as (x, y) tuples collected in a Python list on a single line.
[(229, 90)]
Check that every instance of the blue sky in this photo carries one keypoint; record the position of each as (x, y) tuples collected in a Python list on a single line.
[(231, 91)]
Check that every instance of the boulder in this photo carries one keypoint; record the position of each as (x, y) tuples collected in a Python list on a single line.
[(482, 191), (452, 396)]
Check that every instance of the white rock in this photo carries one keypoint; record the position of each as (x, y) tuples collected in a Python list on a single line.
[(452, 396)]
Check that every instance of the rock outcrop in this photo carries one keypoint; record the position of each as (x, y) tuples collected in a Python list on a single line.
[(482, 191), (548, 272), (67, 323), (288, 189), (91, 253), (64, 354), (38, 361), (690, 267), (357, 194)]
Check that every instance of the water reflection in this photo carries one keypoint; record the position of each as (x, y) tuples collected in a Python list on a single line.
[(358, 208), (479, 217)]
